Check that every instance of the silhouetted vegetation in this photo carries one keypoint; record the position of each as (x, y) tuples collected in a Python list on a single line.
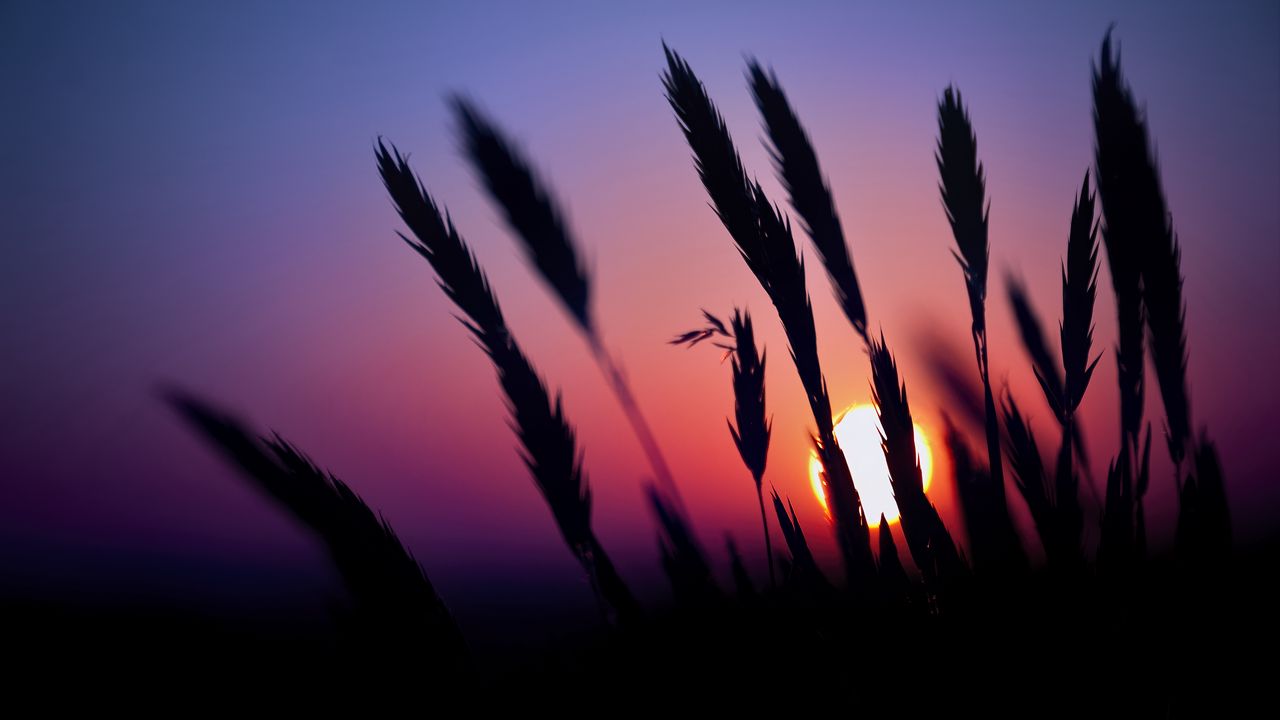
[(538, 223), (797, 167), (397, 616), (763, 239), (927, 538), (751, 436), (963, 185), (549, 448), (885, 621), (1143, 250)]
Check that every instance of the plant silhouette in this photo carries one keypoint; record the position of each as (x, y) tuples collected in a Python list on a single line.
[(955, 592), (548, 443), (397, 611)]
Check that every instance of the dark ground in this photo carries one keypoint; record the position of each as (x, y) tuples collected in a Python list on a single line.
[(1165, 646)]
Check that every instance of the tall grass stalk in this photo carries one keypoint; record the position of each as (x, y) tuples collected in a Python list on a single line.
[(930, 544), (1048, 371), (1203, 535), (894, 581), (803, 564), (1043, 363), (754, 428), (962, 183), (536, 220), (1119, 145), (1137, 217), (1029, 476), (764, 240), (1064, 388), (963, 186), (751, 436), (686, 566), (396, 607), (549, 446), (797, 167), (1079, 292), (994, 545), (1123, 519), (1137, 221)]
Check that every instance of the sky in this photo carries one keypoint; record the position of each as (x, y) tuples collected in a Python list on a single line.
[(188, 197)]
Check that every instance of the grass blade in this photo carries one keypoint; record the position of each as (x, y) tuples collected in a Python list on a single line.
[(1116, 547), (764, 240), (1118, 161), (715, 158), (893, 576), (751, 436), (395, 603), (963, 186), (930, 544), (1210, 529), (548, 443), (1137, 222), (797, 167), (995, 547), (1028, 474), (682, 558), (1043, 363), (533, 214), (1053, 502), (530, 210), (1079, 291), (804, 567)]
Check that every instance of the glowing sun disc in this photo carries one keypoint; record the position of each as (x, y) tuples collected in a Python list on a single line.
[(858, 432)]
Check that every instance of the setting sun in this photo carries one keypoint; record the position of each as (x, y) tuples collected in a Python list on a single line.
[(858, 432)]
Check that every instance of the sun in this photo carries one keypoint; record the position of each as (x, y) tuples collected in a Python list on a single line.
[(858, 432)]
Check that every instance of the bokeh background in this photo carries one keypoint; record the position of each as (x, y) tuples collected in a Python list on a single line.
[(189, 196)]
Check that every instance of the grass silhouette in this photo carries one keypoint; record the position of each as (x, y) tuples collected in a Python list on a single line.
[(549, 447), (1139, 235), (751, 436), (963, 185), (398, 615), (930, 544), (533, 215), (763, 239), (1031, 479), (1037, 622), (797, 168), (804, 569), (529, 210)]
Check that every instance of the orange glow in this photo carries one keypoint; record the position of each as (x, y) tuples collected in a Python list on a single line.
[(858, 432)]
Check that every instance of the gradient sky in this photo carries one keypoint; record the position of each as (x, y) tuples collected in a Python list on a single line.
[(189, 196)]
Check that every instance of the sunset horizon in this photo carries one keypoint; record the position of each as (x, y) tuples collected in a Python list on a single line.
[(499, 272)]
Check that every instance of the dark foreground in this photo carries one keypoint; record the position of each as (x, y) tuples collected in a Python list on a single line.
[(1167, 642)]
